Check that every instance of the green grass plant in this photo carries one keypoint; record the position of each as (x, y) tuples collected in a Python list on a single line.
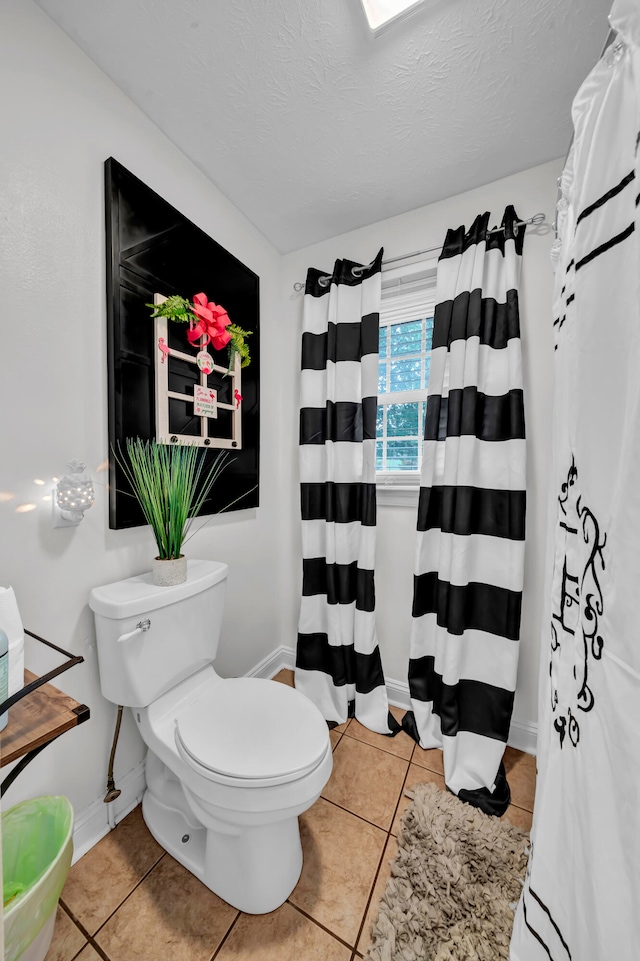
[(171, 484)]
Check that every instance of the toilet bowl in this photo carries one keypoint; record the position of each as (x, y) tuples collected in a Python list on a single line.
[(231, 763)]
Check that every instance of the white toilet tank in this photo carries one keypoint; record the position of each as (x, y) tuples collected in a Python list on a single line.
[(139, 661)]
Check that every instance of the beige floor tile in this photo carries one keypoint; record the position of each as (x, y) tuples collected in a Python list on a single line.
[(171, 916), (366, 781), (430, 758), (521, 775), (88, 954), (341, 857), (102, 879), (283, 935), (384, 874), (67, 938), (285, 676), (401, 745), (334, 737), (415, 775), (341, 728), (518, 817)]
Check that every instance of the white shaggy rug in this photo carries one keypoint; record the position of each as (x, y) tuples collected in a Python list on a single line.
[(454, 884)]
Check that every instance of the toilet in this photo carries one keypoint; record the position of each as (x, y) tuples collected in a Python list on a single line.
[(231, 763)]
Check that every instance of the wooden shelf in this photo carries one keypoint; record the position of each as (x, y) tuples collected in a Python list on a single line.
[(38, 718)]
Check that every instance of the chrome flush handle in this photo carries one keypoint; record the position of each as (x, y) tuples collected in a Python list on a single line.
[(140, 628)]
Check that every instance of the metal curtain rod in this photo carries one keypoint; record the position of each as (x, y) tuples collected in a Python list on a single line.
[(324, 281)]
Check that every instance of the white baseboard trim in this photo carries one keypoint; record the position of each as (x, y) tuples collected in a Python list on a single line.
[(282, 657), (99, 818), (523, 735), (398, 694)]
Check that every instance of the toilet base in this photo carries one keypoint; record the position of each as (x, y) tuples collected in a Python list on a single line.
[(173, 832), (254, 868)]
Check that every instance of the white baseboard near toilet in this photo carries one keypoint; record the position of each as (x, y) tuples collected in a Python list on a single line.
[(523, 735), (99, 818), (282, 657)]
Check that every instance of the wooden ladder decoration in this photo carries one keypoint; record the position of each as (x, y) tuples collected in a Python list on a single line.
[(204, 399)]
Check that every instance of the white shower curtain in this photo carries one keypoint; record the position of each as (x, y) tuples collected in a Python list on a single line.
[(581, 898)]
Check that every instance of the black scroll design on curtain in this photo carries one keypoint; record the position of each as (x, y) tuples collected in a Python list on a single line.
[(578, 606)]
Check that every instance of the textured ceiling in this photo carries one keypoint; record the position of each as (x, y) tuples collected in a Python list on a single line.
[(312, 127)]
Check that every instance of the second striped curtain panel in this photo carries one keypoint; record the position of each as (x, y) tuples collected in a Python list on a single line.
[(471, 516)]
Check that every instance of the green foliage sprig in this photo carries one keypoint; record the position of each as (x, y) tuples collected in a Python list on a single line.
[(182, 311), (174, 308), (238, 345)]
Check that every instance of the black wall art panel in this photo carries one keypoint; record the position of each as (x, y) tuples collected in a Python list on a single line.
[(153, 249)]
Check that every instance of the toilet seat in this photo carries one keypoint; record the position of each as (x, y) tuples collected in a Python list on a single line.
[(251, 731)]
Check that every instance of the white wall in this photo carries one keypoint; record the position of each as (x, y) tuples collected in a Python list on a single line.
[(60, 118), (530, 191)]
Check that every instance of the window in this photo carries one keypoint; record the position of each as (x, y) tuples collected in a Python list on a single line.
[(406, 332), (379, 13), (403, 376)]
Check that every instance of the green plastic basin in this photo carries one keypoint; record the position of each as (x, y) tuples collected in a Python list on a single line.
[(37, 847)]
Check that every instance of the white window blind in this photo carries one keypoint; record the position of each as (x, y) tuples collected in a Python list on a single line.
[(407, 301)]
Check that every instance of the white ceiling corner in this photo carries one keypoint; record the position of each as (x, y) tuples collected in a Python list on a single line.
[(312, 127)]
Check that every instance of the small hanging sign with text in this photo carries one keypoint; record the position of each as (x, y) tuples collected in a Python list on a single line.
[(205, 402), (204, 361)]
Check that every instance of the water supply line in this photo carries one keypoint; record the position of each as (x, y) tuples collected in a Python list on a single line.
[(112, 791)]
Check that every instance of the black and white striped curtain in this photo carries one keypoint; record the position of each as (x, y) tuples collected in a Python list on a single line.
[(338, 662), (471, 516)]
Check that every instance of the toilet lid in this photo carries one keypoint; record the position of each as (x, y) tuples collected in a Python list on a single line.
[(253, 729)]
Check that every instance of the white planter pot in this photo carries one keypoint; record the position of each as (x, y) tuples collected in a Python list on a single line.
[(168, 573)]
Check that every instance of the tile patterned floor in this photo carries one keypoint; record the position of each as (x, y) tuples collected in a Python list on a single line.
[(127, 900)]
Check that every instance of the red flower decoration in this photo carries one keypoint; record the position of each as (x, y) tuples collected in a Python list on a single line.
[(212, 323)]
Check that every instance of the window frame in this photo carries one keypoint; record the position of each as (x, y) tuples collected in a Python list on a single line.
[(401, 488)]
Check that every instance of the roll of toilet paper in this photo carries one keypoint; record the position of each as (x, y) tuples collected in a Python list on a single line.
[(11, 624)]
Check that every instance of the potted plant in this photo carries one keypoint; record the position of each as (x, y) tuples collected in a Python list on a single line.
[(171, 484)]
